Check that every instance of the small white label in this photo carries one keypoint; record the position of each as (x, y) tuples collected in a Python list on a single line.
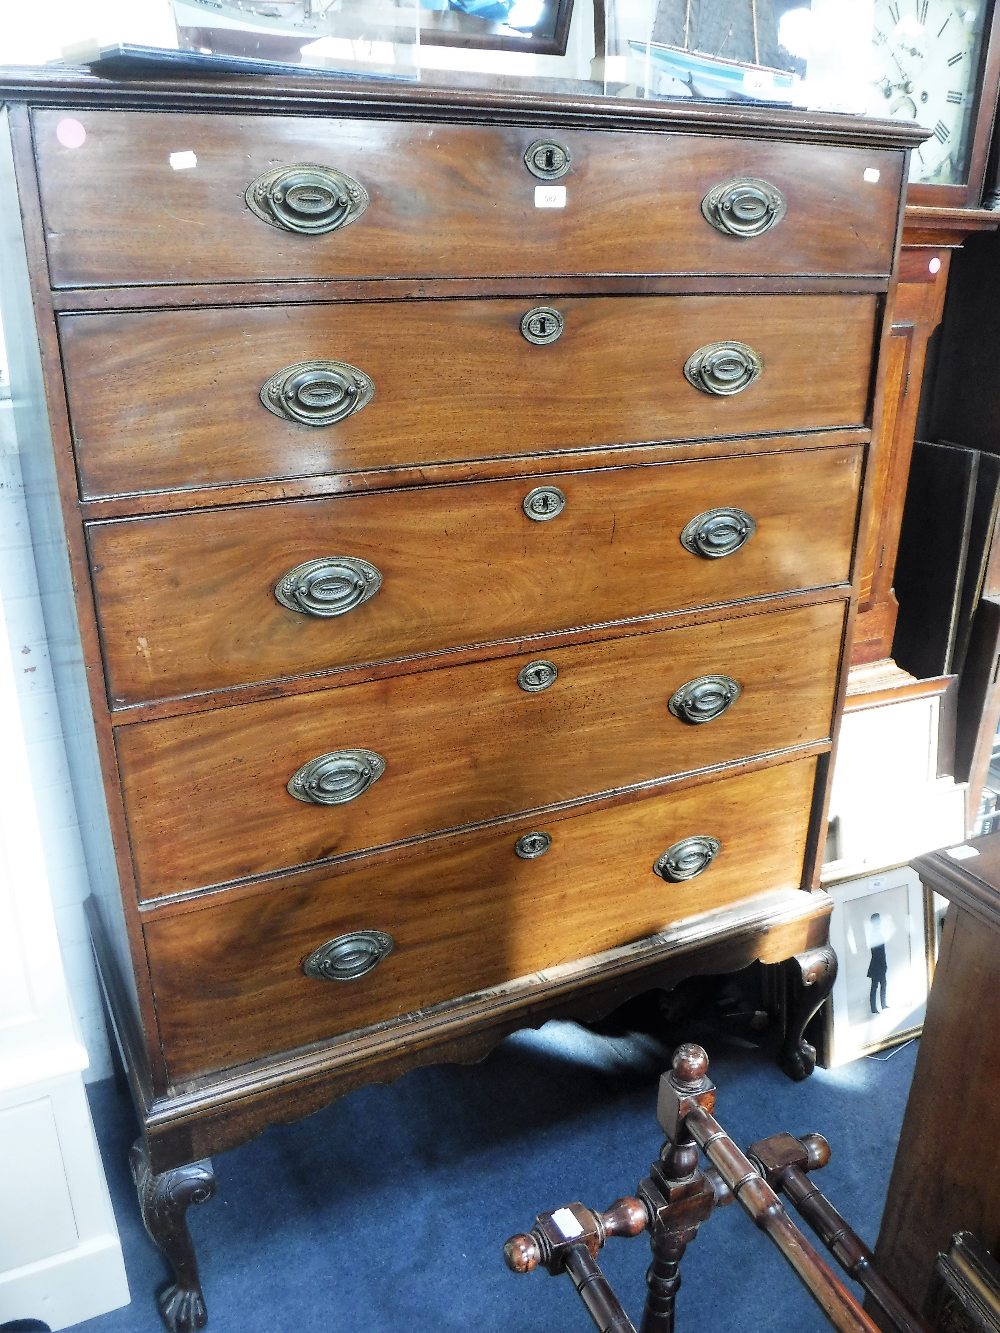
[(934, 266), (962, 853), (550, 196), (183, 161), (569, 1228), (872, 174)]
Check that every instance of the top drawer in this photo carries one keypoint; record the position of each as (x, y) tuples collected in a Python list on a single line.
[(146, 197)]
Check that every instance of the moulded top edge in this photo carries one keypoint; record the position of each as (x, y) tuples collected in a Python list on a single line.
[(319, 96)]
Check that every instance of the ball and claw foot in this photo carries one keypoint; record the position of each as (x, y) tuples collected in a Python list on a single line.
[(811, 976), (181, 1311), (164, 1199)]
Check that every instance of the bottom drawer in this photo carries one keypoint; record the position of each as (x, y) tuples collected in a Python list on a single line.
[(463, 915)]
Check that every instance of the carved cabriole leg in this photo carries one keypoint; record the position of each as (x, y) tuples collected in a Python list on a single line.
[(810, 976), (164, 1200)]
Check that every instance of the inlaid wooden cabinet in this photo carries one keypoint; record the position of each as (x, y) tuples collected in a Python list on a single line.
[(460, 587)]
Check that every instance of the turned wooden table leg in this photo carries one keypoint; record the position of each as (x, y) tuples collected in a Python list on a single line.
[(810, 979), (677, 1195), (164, 1200)]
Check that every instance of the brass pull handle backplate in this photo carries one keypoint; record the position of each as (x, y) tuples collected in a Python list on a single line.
[(687, 858), (317, 393), (722, 369), (329, 586), (744, 208), (349, 957), (307, 199), (337, 777), (704, 699), (718, 532)]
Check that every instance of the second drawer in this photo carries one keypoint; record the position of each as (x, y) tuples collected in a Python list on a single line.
[(207, 600), (242, 791), (170, 400)]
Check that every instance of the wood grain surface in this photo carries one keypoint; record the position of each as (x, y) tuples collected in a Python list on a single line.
[(206, 796), (167, 400), (464, 914), (186, 602), (449, 200)]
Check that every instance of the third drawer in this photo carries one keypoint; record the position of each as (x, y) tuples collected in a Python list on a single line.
[(242, 791), (187, 602)]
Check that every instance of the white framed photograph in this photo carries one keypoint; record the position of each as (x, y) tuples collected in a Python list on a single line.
[(878, 929)]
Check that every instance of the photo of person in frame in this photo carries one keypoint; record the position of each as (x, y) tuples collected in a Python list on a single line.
[(878, 967)]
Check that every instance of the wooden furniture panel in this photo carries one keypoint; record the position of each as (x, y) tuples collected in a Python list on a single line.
[(946, 1173), (464, 744), (154, 396), (471, 914), (460, 564), (444, 199)]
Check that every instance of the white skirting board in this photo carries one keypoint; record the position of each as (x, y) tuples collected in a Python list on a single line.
[(60, 1256), (62, 1261)]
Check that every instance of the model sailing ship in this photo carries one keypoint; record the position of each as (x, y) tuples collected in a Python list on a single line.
[(715, 51)]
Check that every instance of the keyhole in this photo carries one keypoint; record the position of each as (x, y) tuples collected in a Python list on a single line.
[(547, 160)]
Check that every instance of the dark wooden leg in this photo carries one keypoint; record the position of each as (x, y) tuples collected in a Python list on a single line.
[(810, 978), (164, 1200), (677, 1194)]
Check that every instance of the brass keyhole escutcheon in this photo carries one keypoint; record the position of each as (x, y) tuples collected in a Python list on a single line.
[(547, 159), (544, 503), (542, 325), (537, 676), (530, 846)]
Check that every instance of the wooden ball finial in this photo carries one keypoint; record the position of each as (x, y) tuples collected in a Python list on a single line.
[(817, 1149), (521, 1254), (690, 1064)]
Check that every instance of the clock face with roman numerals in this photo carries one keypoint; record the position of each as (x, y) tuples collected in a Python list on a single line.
[(925, 67)]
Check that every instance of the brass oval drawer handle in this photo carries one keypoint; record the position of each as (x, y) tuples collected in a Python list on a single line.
[(723, 369), (704, 699), (718, 532), (530, 846), (537, 676), (687, 858), (349, 957), (328, 586), (544, 503), (306, 199), (745, 207), (317, 393), (337, 777)]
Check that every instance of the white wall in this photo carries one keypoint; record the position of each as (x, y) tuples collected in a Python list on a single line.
[(43, 734)]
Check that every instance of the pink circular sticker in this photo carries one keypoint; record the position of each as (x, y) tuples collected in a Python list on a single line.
[(71, 133)]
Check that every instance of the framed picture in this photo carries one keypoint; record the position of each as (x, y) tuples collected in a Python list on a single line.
[(318, 31), (538, 26), (879, 931)]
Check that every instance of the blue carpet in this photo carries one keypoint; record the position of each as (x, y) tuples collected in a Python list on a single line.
[(388, 1210)]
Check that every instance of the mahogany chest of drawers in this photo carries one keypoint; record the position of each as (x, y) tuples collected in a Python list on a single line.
[(460, 497)]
